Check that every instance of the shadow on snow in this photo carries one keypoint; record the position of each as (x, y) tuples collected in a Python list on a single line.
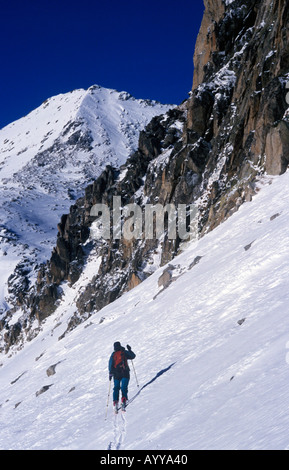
[(159, 374)]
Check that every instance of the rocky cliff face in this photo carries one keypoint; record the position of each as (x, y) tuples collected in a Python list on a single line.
[(238, 99), (210, 151)]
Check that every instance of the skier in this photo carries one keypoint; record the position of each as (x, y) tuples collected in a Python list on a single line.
[(119, 371)]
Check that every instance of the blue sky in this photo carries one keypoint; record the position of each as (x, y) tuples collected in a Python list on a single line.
[(144, 47)]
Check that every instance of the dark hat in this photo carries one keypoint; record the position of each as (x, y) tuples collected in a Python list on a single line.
[(117, 346)]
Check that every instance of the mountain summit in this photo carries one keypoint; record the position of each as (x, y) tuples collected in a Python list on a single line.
[(47, 158)]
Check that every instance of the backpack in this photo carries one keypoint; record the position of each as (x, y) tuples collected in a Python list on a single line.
[(119, 361)]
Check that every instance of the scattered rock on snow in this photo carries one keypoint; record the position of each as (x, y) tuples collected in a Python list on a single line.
[(247, 247), (43, 389), (51, 370), (17, 378), (274, 216), (166, 278), (38, 357), (196, 261)]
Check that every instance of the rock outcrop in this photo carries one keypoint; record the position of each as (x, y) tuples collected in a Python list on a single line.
[(211, 151)]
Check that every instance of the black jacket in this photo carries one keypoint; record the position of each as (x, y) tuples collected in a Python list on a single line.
[(123, 372)]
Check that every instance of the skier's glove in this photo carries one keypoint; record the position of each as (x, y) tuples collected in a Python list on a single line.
[(110, 377), (128, 347)]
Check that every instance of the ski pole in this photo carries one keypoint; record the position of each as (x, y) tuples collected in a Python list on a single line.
[(108, 398), (135, 373)]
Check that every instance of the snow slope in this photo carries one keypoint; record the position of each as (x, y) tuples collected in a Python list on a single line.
[(211, 351), (48, 157)]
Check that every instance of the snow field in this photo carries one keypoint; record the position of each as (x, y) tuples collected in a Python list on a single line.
[(206, 381)]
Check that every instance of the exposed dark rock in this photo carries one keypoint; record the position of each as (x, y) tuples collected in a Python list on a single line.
[(273, 217), (43, 390), (11, 336), (247, 247), (166, 278), (40, 356), (196, 261), (19, 377), (51, 370)]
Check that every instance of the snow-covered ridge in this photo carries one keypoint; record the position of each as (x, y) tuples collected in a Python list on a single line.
[(48, 157), (38, 130), (211, 351)]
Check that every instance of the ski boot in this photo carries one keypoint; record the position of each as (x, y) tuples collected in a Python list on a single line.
[(115, 407), (123, 404)]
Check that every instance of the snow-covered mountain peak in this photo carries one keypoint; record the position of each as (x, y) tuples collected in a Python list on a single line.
[(48, 157), (103, 112), (36, 131)]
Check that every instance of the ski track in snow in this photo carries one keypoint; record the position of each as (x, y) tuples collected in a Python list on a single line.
[(228, 387), (119, 431)]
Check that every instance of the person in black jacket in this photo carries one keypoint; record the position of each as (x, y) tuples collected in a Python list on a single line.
[(119, 371)]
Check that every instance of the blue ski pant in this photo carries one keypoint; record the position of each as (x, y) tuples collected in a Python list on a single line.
[(122, 385)]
